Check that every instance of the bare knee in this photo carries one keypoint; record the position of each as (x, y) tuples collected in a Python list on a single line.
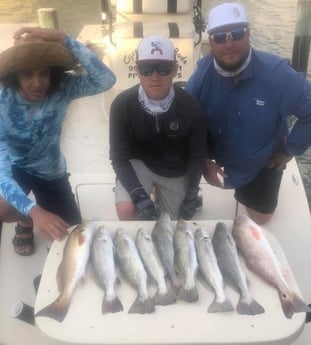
[(126, 210), (258, 217)]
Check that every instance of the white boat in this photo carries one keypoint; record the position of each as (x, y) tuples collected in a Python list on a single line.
[(85, 145)]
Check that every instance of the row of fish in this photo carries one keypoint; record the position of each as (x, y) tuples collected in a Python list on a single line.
[(172, 258)]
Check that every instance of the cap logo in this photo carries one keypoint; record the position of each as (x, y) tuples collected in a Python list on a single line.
[(236, 12), (156, 47)]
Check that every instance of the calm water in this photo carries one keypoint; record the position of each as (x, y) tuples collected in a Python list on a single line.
[(273, 25)]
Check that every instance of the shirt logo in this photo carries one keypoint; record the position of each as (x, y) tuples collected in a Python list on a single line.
[(174, 126), (260, 102)]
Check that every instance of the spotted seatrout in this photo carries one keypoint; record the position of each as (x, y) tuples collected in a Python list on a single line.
[(102, 257), (186, 261), (131, 265), (153, 265), (231, 269), (162, 236), (210, 272)]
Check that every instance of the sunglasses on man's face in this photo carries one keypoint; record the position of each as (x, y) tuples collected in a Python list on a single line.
[(163, 68), (235, 35)]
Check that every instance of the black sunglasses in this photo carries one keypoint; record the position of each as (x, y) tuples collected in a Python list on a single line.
[(235, 35), (163, 68)]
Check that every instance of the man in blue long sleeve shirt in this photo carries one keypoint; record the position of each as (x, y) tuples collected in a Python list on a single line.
[(37, 88), (247, 96)]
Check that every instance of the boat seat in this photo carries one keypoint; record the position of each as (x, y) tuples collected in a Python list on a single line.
[(138, 19), (160, 6), (96, 202)]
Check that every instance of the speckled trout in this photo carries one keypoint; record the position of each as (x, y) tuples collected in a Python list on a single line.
[(162, 235), (210, 272), (260, 259), (229, 263), (153, 265), (131, 265), (71, 270), (102, 258), (186, 262)]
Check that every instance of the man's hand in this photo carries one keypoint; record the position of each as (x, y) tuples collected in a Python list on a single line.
[(30, 33), (211, 171), (191, 202), (188, 208), (279, 160), (49, 222), (145, 207)]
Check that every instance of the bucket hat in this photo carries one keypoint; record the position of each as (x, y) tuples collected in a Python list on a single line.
[(34, 54)]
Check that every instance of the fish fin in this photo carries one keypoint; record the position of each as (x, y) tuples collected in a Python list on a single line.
[(164, 299), (113, 306), (218, 307), (173, 285), (292, 303), (246, 307), (142, 306), (56, 310), (81, 239), (188, 295)]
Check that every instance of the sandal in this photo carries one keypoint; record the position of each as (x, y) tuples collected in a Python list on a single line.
[(23, 240)]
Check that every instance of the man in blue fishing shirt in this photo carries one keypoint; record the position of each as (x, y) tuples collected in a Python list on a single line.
[(38, 84), (247, 96)]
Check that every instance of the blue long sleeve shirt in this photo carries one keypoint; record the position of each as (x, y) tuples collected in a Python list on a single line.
[(247, 115), (30, 131)]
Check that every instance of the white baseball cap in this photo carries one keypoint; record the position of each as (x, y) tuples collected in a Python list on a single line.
[(155, 48), (226, 14)]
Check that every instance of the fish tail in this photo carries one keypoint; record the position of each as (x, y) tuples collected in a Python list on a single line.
[(218, 307), (142, 306), (163, 298), (292, 303), (175, 285), (188, 295), (56, 310), (249, 307), (112, 306)]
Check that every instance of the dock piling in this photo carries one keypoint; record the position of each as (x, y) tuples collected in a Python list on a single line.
[(302, 37)]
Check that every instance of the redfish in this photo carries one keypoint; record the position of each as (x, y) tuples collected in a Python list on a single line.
[(260, 259), (71, 270)]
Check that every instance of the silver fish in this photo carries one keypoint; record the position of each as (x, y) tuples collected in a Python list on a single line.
[(231, 269), (71, 269), (260, 258), (153, 265), (186, 261), (102, 257), (162, 236), (210, 272), (131, 265)]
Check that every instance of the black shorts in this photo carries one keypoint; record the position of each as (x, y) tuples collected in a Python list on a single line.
[(53, 195), (261, 194)]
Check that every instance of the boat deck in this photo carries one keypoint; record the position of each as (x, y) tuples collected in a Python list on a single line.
[(85, 146), (93, 180)]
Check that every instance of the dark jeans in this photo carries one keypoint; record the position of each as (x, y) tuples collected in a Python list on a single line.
[(53, 195)]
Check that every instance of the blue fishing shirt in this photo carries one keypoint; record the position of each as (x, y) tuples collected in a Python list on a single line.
[(247, 115), (30, 131)]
